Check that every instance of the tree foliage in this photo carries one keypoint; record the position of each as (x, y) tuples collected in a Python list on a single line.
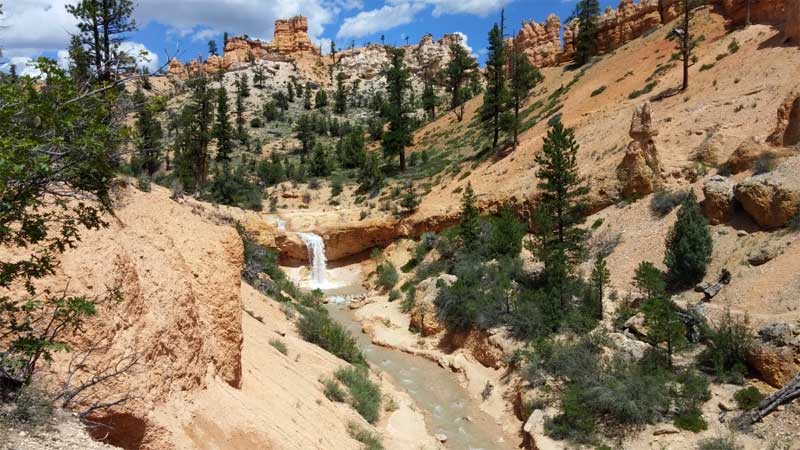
[(689, 245), (398, 136)]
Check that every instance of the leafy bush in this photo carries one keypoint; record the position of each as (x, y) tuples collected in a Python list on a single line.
[(364, 394), (728, 345), (663, 202), (689, 245), (333, 391), (645, 90), (705, 67), (387, 275), (370, 440), (318, 328), (143, 183), (232, 187), (691, 420), (598, 91), (748, 398), (733, 47), (394, 295), (720, 443), (279, 346)]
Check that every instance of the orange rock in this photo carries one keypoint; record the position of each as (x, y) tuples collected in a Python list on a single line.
[(291, 36), (772, 199), (640, 170), (792, 30), (787, 130)]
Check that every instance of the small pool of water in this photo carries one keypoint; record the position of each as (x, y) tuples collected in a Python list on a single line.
[(449, 409)]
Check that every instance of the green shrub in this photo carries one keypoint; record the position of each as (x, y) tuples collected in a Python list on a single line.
[(729, 342), (143, 183), (318, 328), (387, 275), (720, 443), (333, 391), (705, 67), (279, 346), (733, 47), (364, 394), (31, 407), (598, 91), (689, 245), (645, 90), (748, 398), (394, 295), (691, 420), (370, 440), (256, 122), (663, 202), (576, 422)]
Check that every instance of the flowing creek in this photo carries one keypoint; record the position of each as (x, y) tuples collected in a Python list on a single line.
[(448, 408)]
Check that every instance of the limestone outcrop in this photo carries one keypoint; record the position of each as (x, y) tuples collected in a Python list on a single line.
[(640, 170), (750, 152), (291, 36), (718, 205), (787, 128), (776, 354), (541, 42), (772, 199)]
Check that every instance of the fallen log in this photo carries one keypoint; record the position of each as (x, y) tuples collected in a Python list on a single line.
[(712, 291), (785, 395)]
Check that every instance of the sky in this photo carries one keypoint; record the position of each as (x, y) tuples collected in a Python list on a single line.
[(182, 28)]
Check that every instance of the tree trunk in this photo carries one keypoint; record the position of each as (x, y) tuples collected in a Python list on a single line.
[(747, 20), (106, 42), (686, 40), (785, 395)]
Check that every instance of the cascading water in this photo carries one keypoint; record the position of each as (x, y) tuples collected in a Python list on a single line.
[(316, 254)]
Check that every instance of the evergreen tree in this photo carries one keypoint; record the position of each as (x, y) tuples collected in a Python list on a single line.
[(305, 132), (370, 177), (149, 136), (664, 325), (398, 136), (259, 76), (244, 85), (599, 280), (469, 230), (340, 97), (586, 11), (307, 97), (350, 150), (457, 73), (559, 241), (429, 100), (689, 245), (683, 38), (649, 281), (80, 62), (290, 93), (494, 114), (223, 132), (321, 99), (522, 78), (409, 200), (270, 111), (212, 48), (224, 40), (281, 101), (241, 131), (319, 165), (198, 130), (103, 25)]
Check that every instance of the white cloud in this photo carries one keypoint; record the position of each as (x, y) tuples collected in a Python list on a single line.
[(381, 19), (477, 7), (143, 56), (24, 66), (465, 43)]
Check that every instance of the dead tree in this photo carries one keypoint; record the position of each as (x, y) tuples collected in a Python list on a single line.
[(786, 394)]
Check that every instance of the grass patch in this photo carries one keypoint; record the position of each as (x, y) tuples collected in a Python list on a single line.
[(691, 420), (648, 88), (334, 392), (318, 328), (365, 396), (370, 440), (279, 346), (748, 398), (598, 91)]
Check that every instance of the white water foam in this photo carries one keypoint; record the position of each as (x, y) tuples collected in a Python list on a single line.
[(316, 255)]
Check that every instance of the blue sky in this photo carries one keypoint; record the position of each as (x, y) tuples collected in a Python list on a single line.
[(183, 27)]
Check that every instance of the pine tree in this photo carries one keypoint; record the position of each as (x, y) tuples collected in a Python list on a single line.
[(649, 281), (689, 245), (370, 177), (321, 99), (244, 85), (457, 73), (289, 92), (149, 135), (429, 100), (340, 97), (683, 39), (586, 12), (305, 132), (599, 280), (494, 114), (103, 25), (241, 131), (222, 128), (307, 97), (198, 130), (664, 325), (319, 166), (409, 200), (212, 47), (469, 230), (398, 136), (259, 76), (522, 78), (559, 240)]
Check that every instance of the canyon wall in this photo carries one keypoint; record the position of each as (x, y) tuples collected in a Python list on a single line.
[(545, 45)]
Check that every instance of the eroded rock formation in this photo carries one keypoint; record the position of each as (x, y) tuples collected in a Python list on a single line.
[(640, 170), (423, 313), (776, 355), (792, 30), (787, 129), (772, 199), (718, 205)]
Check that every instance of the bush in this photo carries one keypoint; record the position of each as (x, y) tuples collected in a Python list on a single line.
[(748, 398), (728, 345), (31, 408), (256, 122), (387, 275), (705, 67), (364, 394), (645, 90), (689, 245), (279, 346), (318, 328), (394, 295), (720, 443), (333, 391), (370, 440), (663, 202), (598, 91), (691, 420)]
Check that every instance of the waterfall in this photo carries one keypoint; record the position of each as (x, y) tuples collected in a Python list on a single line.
[(281, 224), (316, 256)]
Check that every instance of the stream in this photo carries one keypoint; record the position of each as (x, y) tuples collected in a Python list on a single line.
[(448, 408)]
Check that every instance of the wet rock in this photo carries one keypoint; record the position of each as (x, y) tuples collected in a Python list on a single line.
[(718, 205), (772, 199)]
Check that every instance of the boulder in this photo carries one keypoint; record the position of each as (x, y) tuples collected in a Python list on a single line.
[(718, 205), (787, 128), (628, 347), (772, 199), (423, 313), (776, 355), (750, 152), (636, 325), (763, 255)]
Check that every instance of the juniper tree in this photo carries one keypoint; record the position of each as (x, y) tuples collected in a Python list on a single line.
[(559, 241), (340, 96), (522, 78), (321, 99), (398, 135), (494, 114), (223, 132), (457, 74), (689, 245), (586, 12), (212, 47), (149, 134), (304, 127), (429, 100), (103, 25)]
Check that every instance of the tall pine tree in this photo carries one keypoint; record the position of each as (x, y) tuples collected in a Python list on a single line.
[(103, 25), (398, 82), (149, 135), (586, 12), (457, 74), (522, 78), (493, 112), (223, 132)]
